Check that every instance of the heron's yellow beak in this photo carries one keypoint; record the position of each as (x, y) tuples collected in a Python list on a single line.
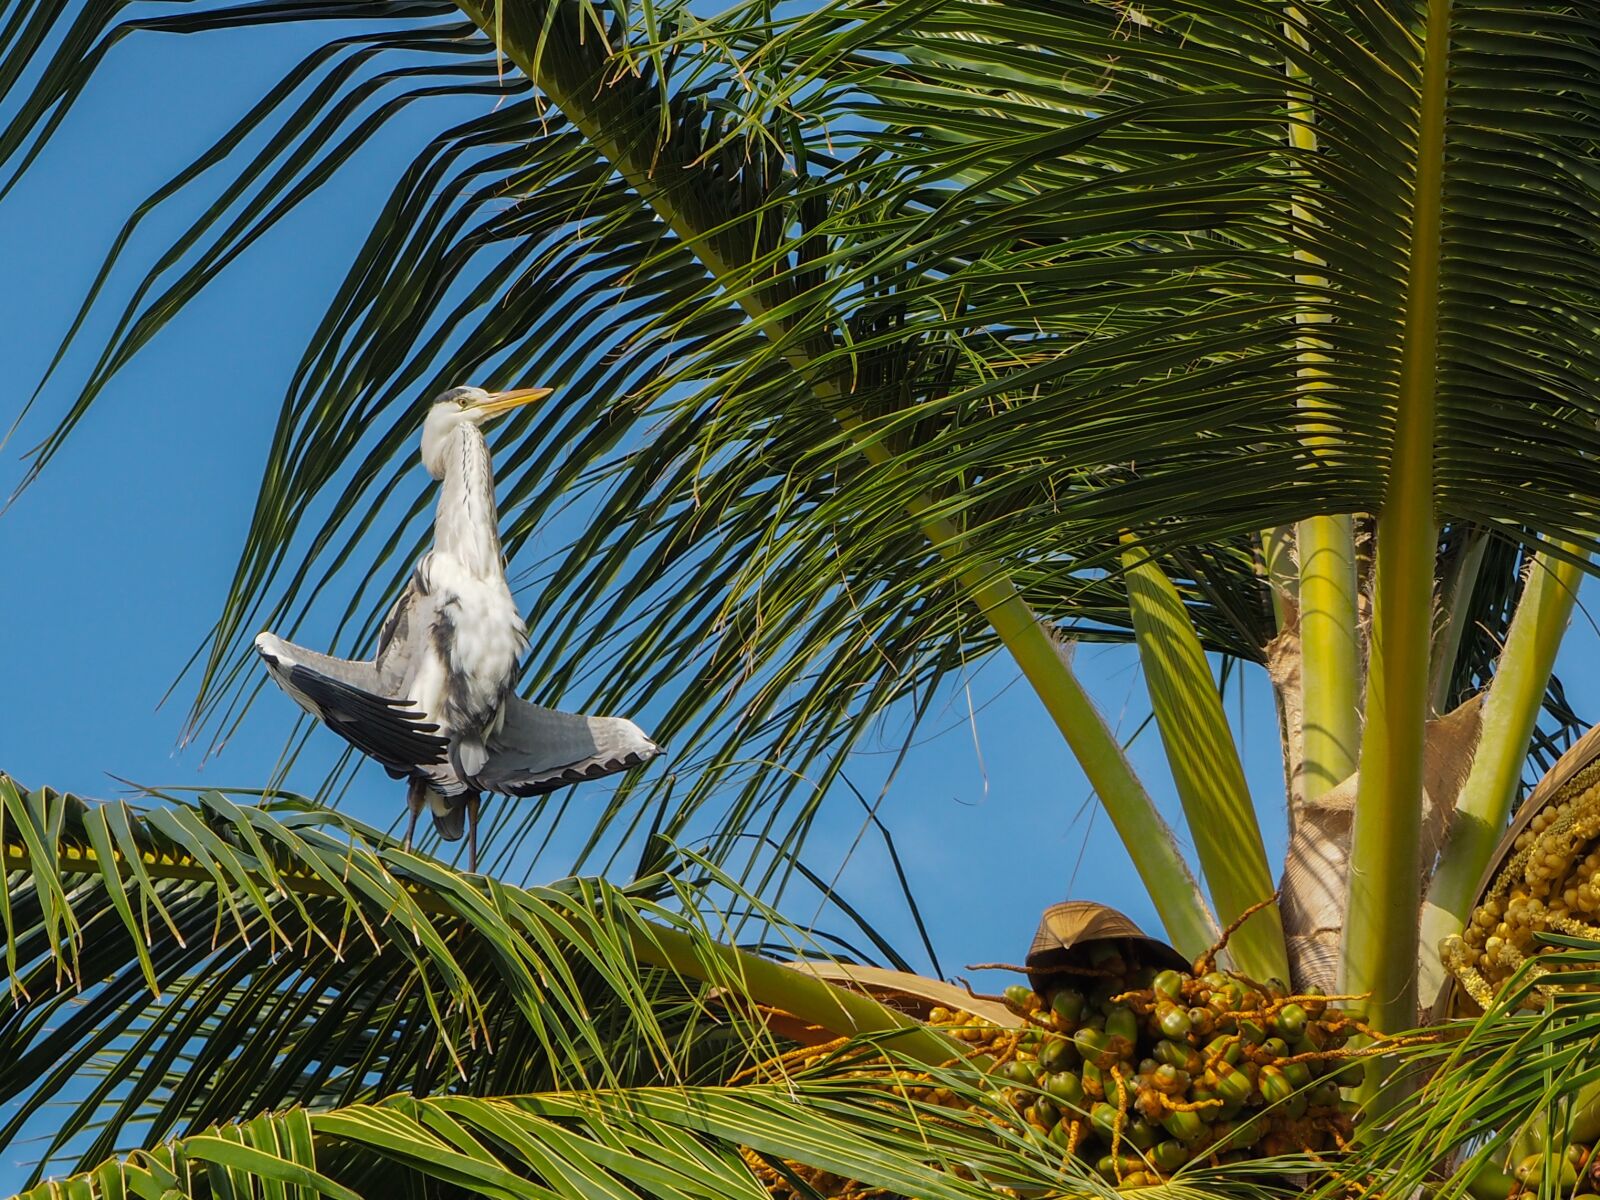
[(500, 402)]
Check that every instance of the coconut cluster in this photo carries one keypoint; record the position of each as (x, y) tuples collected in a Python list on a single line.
[(1555, 1154), (1548, 881), (1135, 1072), (1145, 1071)]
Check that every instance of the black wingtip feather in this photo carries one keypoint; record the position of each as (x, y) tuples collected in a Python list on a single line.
[(572, 775), (378, 726)]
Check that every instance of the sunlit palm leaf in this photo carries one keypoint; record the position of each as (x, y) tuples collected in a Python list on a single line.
[(643, 1144), (1513, 1071), (676, 1144), (195, 964)]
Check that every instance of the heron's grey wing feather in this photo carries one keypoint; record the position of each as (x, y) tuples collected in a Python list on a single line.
[(349, 697), (541, 749), (397, 636), (351, 672)]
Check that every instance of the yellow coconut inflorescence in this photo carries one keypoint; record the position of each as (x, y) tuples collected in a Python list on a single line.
[(1548, 881), (1544, 878)]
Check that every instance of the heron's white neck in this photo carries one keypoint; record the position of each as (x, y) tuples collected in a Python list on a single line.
[(466, 525)]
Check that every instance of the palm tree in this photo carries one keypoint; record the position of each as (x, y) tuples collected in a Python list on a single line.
[(905, 333)]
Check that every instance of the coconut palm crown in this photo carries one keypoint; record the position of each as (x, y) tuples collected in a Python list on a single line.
[(897, 333)]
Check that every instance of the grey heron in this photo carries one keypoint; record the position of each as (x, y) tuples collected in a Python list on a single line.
[(435, 704)]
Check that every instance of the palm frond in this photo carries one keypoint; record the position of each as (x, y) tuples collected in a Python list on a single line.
[(676, 1144), (1487, 609), (192, 964), (672, 1143), (521, 204), (1049, 269)]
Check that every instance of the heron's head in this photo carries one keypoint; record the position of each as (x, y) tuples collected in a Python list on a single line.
[(466, 406)]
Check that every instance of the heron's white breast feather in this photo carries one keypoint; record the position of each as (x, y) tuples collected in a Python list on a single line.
[(477, 633)]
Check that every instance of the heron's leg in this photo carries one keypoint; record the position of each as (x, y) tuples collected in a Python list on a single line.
[(416, 798), (472, 832)]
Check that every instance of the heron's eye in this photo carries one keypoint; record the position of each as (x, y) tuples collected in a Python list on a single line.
[(462, 402)]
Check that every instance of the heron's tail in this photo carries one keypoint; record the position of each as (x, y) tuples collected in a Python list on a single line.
[(449, 813)]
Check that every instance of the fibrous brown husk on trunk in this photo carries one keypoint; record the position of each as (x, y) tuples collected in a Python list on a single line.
[(1317, 865)]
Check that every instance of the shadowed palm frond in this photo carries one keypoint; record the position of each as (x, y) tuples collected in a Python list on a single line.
[(1493, 588), (1063, 285), (520, 203)]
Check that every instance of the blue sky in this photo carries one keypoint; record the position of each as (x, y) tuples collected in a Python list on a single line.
[(118, 557)]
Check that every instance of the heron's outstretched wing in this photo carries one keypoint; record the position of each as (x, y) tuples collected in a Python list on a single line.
[(350, 698), (540, 749)]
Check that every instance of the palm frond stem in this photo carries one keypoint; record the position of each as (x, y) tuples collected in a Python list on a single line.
[(1330, 668), (1379, 952), (1456, 609), (1205, 765), (1277, 565), (1510, 712)]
